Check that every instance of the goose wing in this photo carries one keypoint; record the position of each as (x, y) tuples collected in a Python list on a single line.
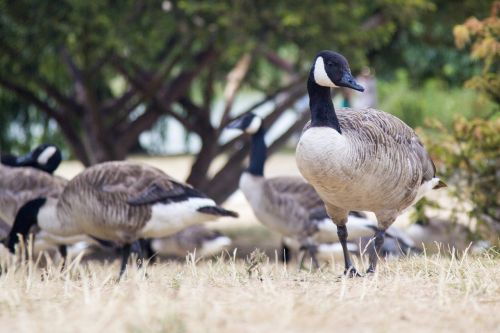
[(170, 191), (292, 199), (137, 184), (295, 189), (29, 179), (385, 129)]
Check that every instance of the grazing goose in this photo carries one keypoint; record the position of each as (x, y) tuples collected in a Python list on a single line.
[(199, 239), (45, 157), (288, 205), (122, 202), (365, 159), (20, 185)]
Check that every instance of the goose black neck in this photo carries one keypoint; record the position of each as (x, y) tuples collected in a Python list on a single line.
[(25, 219), (258, 153), (321, 105)]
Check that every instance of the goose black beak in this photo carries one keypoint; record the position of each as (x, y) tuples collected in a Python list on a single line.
[(348, 81), (236, 124), (25, 160)]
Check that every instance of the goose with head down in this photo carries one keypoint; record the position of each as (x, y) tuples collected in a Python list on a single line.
[(123, 202), (29, 177), (359, 159), (46, 157)]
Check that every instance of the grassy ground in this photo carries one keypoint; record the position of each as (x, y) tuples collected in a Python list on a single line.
[(218, 295), (435, 293)]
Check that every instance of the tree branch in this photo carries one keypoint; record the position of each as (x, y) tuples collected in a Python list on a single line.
[(233, 83)]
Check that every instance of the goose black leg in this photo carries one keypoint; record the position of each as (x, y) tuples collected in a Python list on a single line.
[(312, 252), (350, 270), (63, 251), (148, 250), (285, 254), (377, 243), (301, 257), (125, 255)]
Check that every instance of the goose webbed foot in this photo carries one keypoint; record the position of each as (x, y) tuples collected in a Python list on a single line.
[(352, 272), (63, 251)]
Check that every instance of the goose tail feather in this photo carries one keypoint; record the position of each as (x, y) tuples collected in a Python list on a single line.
[(217, 211)]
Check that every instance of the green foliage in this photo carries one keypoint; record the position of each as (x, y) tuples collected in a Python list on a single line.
[(425, 47), (468, 157), (484, 37), (161, 38), (434, 99)]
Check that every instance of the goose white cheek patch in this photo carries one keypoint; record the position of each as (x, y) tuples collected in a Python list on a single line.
[(254, 125), (46, 155), (320, 75)]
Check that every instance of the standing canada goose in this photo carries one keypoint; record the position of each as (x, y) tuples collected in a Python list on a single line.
[(199, 239), (365, 159), (45, 157), (289, 205), (122, 202)]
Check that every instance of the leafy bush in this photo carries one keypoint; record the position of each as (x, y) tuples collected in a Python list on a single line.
[(434, 99), (468, 157)]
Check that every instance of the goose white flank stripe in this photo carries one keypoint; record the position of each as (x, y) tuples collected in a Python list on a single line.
[(162, 224)]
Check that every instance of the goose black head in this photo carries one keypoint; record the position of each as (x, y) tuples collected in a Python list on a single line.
[(331, 69), (45, 157), (249, 123)]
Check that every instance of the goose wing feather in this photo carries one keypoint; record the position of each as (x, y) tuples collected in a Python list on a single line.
[(384, 129), (296, 189), (157, 193), (293, 199)]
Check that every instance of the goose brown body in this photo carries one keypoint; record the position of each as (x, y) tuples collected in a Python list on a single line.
[(359, 159), (377, 164), (116, 201), (18, 185), (284, 204)]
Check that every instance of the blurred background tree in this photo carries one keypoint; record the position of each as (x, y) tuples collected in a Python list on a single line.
[(100, 73), (468, 154)]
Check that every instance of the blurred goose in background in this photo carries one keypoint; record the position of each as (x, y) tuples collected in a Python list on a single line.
[(121, 202), (435, 234), (45, 157), (197, 239), (289, 205), (20, 185), (28, 177), (359, 160)]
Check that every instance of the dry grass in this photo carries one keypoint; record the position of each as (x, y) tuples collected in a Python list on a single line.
[(218, 295)]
